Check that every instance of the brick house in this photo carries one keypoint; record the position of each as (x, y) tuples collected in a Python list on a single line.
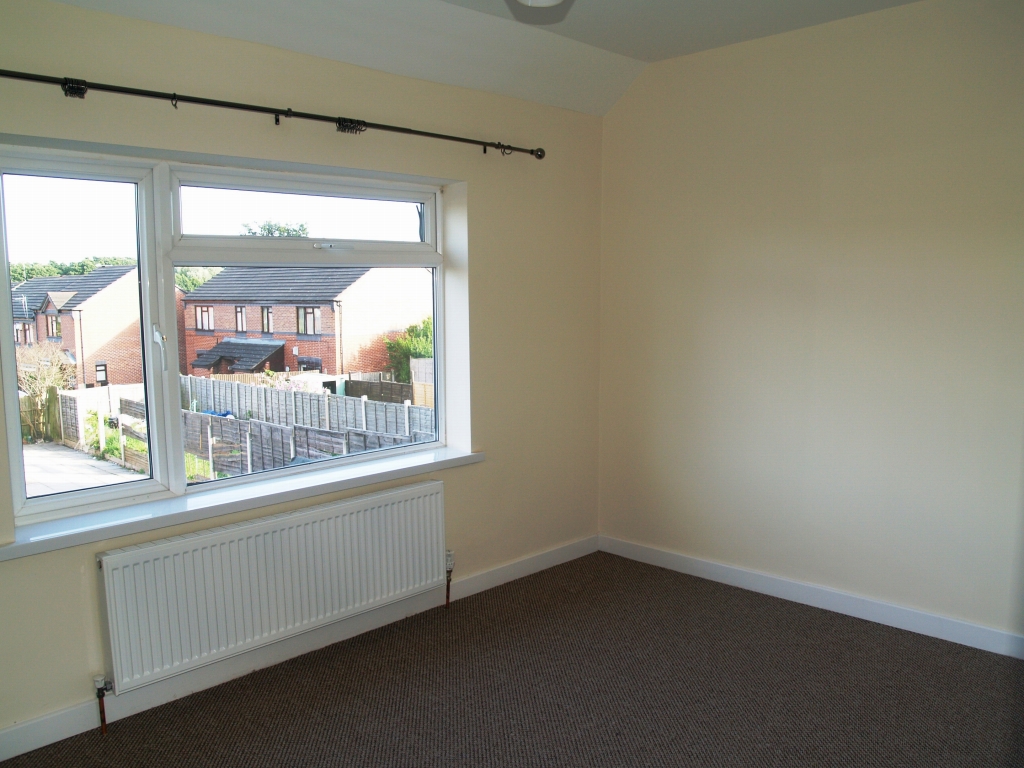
[(334, 320), (93, 317)]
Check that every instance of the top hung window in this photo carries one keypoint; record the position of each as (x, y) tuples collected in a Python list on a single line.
[(344, 274), (223, 212)]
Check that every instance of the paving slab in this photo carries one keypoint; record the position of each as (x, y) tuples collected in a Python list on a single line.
[(55, 468)]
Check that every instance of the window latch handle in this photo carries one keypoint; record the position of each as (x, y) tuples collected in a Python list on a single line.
[(160, 340)]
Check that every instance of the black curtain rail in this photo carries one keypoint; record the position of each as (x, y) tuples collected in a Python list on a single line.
[(78, 89)]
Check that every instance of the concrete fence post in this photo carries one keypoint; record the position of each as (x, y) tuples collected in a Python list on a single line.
[(80, 418), (408, 431), (362, 402), (209, 447)]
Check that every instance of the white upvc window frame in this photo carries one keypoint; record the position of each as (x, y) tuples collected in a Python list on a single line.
[(162, 247)]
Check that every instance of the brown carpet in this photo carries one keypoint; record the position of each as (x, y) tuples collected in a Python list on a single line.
[(599, 662)]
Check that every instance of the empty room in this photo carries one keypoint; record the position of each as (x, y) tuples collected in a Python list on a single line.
[(512, 383)]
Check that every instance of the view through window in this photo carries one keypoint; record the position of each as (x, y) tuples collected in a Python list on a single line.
[(346, 367), (77, 336)]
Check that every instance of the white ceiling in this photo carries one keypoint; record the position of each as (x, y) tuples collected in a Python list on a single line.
[(652, 30), (584, 62)]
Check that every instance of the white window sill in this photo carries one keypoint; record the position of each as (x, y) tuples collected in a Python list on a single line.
[(34, 538)]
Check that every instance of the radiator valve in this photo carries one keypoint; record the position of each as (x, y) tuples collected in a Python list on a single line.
[(103, 687)]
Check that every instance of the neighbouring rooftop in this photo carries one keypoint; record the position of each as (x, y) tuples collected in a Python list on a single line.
[(68, 291), (277, 285)]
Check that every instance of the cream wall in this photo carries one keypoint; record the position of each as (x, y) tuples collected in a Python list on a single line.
[(812, 325), (534, 249)]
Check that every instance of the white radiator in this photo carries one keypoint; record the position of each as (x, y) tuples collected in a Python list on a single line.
[(177, 604)]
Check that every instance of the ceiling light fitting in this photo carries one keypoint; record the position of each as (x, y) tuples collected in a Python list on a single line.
[(540, 3)]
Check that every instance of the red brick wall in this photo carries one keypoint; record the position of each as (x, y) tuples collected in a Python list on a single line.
[(372, 356), (285, 329), (111, 332), (179, 314), (69, 340)]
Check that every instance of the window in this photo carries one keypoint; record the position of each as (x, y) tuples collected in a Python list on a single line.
[(309, 321), (358, 263), (68, 424), (204, 318), (233, 212)]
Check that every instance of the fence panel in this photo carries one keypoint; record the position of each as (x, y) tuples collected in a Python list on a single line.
[(383, 391), (69, 418), (306, 409), (135, 459), (319, 443), (133, 408), (270, 445), (369, 441), (33, 420), (423, 394), (421, 419)]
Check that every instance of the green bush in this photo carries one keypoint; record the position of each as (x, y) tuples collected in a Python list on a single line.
[(417, 341), (111, 445)]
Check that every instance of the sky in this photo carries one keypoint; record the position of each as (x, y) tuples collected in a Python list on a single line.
[(67, 220)]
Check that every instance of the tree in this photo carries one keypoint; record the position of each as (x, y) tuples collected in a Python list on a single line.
[(42, 370), (22, 272), (190, 278), (417, 341), (41, 366), (273, 229)]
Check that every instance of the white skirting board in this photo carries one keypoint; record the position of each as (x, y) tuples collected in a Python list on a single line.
[(478, 582), (65, 723), (55, 726), (40, 731), (930, 624)]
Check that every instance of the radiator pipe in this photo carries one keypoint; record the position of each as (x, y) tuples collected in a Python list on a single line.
[(449, 566), (102, 686)]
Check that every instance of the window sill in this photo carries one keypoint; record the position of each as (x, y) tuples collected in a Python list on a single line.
[(35, 538)]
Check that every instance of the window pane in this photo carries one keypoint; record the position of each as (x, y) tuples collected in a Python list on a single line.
[(346, 368), (234, 212), (75, 295)]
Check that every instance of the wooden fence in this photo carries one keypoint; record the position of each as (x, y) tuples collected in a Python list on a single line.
[(72, 420), (133, 408), (423, 394), (242, 446), (130, 457), (260, 379), (33, 420), (384, 391), (304, 409)]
